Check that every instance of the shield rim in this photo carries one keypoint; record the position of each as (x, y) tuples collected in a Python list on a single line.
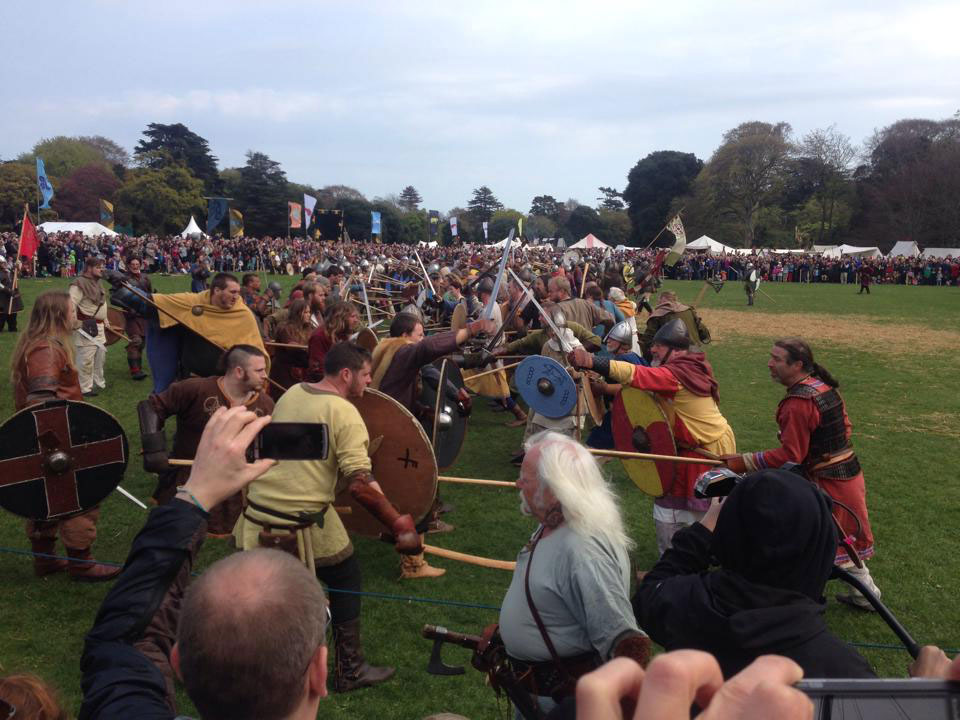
[(527, 391), (111, 336), (630, 466)]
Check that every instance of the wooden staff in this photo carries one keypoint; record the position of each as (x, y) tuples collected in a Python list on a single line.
[(651, 456), (583, 280), (760, 290), (476, 481), (491, 372), (471, 559), (294, 346), (118, 333)]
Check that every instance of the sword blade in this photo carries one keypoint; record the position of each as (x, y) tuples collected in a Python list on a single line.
[(564, 345), (488, 310), (131, 498)]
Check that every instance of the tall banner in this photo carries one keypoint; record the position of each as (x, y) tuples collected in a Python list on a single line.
[(453, 227), (520, 226), (309, 203), (28, 238), (434, 222), (106, 214), (293, 215), (374, 223), (46, 189), (236, 223), (485, 226), (216, 211)]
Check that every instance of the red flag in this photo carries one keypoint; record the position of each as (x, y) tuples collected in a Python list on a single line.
[(28, 238)]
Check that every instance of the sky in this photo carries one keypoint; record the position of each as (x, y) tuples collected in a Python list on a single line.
[(528, 98)]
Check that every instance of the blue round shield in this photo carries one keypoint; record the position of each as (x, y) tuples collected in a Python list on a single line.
[(546, 386)]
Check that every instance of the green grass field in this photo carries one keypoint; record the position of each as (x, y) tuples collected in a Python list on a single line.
[(894, 352)]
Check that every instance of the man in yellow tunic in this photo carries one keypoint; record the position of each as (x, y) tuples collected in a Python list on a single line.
[(289, 507)]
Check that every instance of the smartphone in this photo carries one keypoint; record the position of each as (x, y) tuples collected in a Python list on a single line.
[(878, 699), (290, 441)]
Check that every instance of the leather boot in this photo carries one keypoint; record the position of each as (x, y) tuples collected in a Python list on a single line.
[(353, 671), (135, 371), (416, 566), (46, 565), (88, 569)]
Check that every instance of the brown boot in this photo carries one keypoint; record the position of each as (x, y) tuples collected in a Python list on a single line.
[(46, 565), (84, 568), (520, 415), (353, 671), (416, 566)]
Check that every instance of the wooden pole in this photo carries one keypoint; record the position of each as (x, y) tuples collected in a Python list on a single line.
[(295, 346), (476, 481), (491, 372), (583, 279), (470, 559), (651, 456)]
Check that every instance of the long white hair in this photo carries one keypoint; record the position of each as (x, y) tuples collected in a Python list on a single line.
[(589, 504)]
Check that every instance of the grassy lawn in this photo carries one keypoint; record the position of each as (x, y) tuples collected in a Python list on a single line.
[(894, 352)]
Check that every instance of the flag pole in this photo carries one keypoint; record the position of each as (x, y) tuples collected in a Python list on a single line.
[(16, 260)]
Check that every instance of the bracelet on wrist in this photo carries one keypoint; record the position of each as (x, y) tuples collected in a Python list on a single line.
[(182, 489)]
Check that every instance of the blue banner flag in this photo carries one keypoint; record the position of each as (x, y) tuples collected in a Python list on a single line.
[(46, 189), (434, 222), (374, 223), (216, 211)]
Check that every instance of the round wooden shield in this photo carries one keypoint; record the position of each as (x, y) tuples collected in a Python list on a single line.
[(289, 268), (367, 339), (458, 320), (403, 463), (59, 458), (593, 405), (640, 425), (546, 386), (118, 320)]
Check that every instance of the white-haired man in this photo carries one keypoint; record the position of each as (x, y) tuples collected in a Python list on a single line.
[(567, 609)]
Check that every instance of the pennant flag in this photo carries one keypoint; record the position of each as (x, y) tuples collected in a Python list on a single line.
[(293, 212), (216, 211), (520, 226), (309, 203), (434, 222), (46, 189), (28, 238), (453, 226), (676, 227), (374, 223), (485, 225), (106, 214), (236, 223)]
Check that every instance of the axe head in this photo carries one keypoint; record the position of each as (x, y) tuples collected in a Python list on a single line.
[(436, 665)]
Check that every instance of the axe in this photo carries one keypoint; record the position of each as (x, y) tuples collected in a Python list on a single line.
[(440, 635)]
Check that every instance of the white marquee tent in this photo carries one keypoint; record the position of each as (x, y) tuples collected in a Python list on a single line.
[(589, 242), (941, 252), (908, 248), (516, 243), (710, 245), (853, 250), (90, 229), (192, 229)]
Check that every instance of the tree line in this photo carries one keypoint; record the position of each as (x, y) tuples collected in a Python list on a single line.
[(762, 187)]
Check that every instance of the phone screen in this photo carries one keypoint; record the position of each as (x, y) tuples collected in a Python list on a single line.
[(292, 441), (892, 699)]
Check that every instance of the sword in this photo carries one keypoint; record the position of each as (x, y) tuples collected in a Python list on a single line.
[(564, 345), (366, 301), (488, 310), (426, 275), (131, 497)]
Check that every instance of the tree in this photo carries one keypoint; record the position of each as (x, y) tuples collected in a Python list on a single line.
[(468, 228), (356, 216), (62, 155), (610, 199), (164, 145), (583, 221), (502, 221), (159, 201), (330, 195), (539, 226), (483, 204), (18, 186), (78, 197), (744, 171), (414, 227), (652, 184), (390, 216), (549, 207), (830, 155), (615, 227), (111, 152), (262, 196), (410, 199)]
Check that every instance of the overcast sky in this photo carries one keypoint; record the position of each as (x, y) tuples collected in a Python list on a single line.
[(528, 98)]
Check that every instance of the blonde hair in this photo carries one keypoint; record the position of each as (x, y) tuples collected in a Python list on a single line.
[(48, 323)]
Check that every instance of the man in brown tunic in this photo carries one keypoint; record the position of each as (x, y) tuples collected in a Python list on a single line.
[(193, 401)]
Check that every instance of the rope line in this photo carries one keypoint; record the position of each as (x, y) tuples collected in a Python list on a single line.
[(413, 598)]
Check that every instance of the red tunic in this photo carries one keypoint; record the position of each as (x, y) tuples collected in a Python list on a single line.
[(797, 418)]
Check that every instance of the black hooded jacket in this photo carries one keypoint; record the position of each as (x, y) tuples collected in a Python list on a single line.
[(775, 542)]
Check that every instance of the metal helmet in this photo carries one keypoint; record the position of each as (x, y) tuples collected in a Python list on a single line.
[(674, 335), (485, 285), (621, 332), (559, 319), (275, 288)]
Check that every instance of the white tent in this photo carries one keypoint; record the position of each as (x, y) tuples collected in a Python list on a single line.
[(503, 243), (90, 229), (710, 245), (589, 242), (192, 229), (941, 252), (907, 248), (431, 244), (853, 250)]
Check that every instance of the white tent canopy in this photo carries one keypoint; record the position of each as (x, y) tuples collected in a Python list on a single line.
[(853, 250), (589, 242), (710, 245), (90, 229), (192, 229), (503, 243), (822, 249), (431, 244), (905, 247), (941, 252)]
